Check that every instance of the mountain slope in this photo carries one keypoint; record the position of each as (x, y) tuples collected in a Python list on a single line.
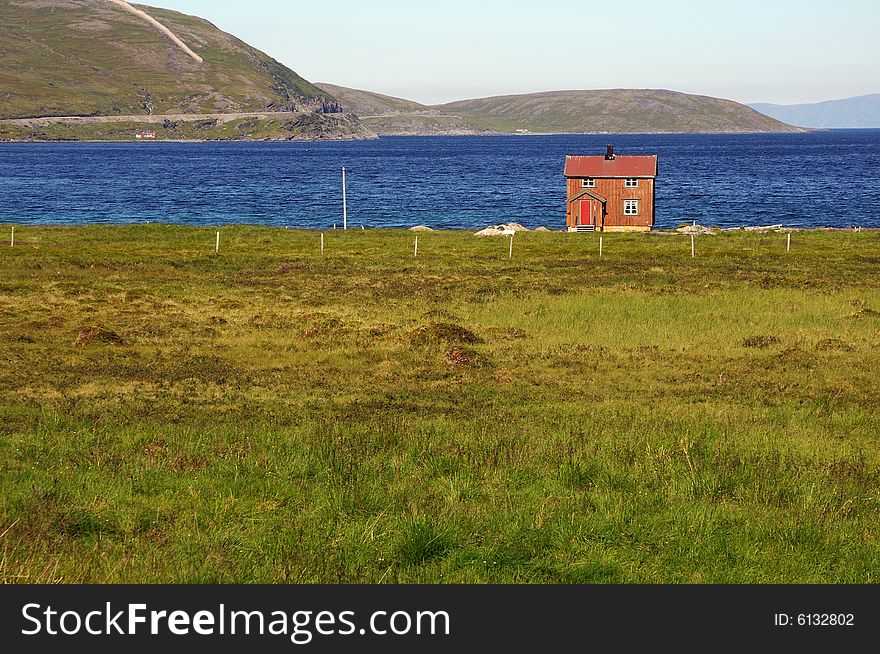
[(368, 103), (862, 111), (390, 116), (93, 57), (615, 110)]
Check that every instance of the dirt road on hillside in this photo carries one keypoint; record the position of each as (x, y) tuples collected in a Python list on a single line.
[(142, 118)]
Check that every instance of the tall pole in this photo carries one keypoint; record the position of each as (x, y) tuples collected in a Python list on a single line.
[(344, 205)]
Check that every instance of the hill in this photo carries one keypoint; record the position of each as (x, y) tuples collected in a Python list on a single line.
[(616, 110), (390, 116), (862, 111), (99, 58)]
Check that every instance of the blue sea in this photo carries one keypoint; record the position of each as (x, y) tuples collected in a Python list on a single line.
[(828, 178)]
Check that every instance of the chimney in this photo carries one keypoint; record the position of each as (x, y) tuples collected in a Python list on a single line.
[(609, 153)]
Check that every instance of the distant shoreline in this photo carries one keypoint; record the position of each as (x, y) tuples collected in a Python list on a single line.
[(420, 135), (71, 126)]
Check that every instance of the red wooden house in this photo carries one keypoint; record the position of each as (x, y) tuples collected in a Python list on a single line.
[(610, 193)]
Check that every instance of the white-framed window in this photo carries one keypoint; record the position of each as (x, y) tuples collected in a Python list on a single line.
[(631, 182), (588, 182), (630, 207)]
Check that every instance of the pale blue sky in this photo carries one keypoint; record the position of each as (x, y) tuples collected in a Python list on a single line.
[(747, 50)]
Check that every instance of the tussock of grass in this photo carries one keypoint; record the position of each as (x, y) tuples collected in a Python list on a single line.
[(97, 335), (834, 344), (760, 341), (419, 542), (443, 332), (266, 417)]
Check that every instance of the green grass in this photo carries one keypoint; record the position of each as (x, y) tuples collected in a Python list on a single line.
[(272, 415)]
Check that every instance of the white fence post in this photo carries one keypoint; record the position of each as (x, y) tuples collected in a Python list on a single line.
[(344, 203)]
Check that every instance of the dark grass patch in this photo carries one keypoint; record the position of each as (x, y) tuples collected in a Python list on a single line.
[(159, 455), (206, 368), (589, 572), (443, 332), (834, 345), (290, 266), (323, 328), (465, 356), (759, 342), (37, 325), (97, 335), (81, 523), (578, 476), (419, 541)]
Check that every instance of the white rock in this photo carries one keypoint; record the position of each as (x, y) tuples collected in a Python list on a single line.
[(696, 230), (502, 230), (489, 231)]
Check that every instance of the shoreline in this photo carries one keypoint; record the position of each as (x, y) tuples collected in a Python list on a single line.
[(664, 231), (417, 135), (125, 125)]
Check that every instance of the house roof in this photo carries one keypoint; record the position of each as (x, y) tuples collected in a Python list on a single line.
[(619, 166)]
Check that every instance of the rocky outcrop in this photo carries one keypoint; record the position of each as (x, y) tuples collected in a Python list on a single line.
[(508, 229)]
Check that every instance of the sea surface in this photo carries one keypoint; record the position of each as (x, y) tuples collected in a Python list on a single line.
[(828, 178)]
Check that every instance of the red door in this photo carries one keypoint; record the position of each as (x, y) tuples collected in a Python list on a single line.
[(586, 216)]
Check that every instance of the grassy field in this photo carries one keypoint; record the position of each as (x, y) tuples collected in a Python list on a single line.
[(271, 415)]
